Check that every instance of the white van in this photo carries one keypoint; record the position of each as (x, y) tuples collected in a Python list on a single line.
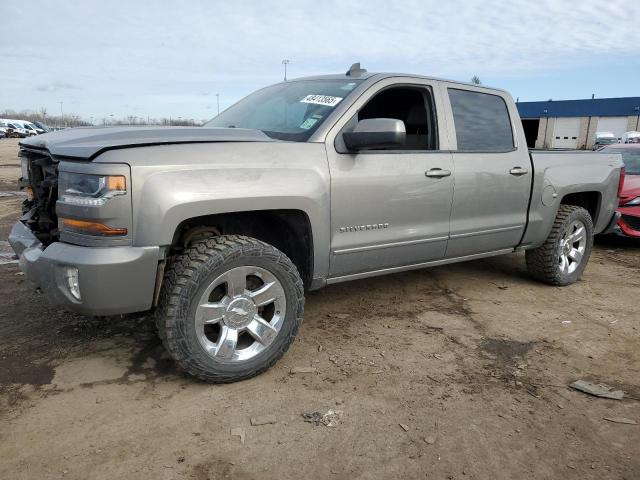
[(29, 127), (16, 126), (631, 137), (604, 138)]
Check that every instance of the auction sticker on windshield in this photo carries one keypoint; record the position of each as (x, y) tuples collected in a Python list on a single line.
[(326, 100)]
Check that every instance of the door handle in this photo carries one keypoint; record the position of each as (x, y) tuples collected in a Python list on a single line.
[(437, 173), (517, 171)]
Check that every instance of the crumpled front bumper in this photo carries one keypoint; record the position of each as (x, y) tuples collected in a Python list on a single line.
[(629, 223), (113, 280)]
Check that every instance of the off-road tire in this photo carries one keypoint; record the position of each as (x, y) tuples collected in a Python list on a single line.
[(543, 262), (187, 276)]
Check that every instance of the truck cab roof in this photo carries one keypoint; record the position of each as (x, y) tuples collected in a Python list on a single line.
[(375, 76)]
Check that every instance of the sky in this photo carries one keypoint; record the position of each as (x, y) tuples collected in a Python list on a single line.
[(170, 58)]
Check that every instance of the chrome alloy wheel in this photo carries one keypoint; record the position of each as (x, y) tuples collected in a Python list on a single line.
[(240, 314), (572, 246)]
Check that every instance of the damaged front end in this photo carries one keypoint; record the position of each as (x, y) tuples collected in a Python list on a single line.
[(90, 272), (40, 180)]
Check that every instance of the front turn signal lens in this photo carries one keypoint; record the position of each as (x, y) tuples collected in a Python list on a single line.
[(91, 228), (116, 183)]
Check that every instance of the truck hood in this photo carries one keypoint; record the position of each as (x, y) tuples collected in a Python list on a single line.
[(88, 142)]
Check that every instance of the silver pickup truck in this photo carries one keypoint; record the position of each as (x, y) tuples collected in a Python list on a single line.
[(218, 230)]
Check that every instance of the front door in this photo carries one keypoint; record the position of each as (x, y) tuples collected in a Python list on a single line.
[(391, 208)]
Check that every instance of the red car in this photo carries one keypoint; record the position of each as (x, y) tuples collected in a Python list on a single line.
[(629, 223)]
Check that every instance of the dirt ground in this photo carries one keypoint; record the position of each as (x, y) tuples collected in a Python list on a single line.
[(453, 372)]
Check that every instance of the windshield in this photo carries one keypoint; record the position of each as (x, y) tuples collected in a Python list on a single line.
[(630, 157), (287, 111)]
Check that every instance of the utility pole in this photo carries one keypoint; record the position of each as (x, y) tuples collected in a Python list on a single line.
[(285, 62), (61, 114), (218, 102)]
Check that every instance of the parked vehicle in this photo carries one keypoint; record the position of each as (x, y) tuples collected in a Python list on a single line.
[(604, 138), (631, 137), (14, 129), (34, 127), (41, 126), (629, 209), (309, 182), (29, 129), (6, 129)]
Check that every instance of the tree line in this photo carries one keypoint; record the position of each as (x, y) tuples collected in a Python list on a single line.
[(74, 120)]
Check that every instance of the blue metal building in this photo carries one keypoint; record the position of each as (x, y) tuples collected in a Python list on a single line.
[(596, 107), (574, 123)]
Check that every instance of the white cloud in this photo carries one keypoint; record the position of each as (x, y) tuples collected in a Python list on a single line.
[(139, 53)]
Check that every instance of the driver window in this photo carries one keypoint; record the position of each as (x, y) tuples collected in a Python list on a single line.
[(412, 105)]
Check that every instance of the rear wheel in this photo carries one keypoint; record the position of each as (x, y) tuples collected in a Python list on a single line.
[(564, 255), (230, 307)]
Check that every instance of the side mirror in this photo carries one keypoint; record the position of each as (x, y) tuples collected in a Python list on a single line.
[(375, 133)]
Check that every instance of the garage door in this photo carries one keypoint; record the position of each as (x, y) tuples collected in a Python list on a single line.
[(615, 125), (565, 133)]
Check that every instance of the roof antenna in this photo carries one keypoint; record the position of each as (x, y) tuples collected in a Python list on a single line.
[(355, 70)]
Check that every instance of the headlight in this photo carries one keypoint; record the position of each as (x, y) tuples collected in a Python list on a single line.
[(635, 201), (90, 190)]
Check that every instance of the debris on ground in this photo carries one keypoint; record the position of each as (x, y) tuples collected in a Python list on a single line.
[(627, 421), (597, 390), (329, 419), (295, 370), (429, 440), (404, 427), (339, 316), (238, 432), (263, 420)]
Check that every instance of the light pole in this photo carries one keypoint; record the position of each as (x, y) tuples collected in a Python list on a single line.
[(285, 62), (218, 102), (61, 114)]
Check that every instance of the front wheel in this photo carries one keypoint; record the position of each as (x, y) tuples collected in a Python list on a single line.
[(565, 253), (230, 306)]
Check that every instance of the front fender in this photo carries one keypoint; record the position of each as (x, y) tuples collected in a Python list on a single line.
[(174, 183)]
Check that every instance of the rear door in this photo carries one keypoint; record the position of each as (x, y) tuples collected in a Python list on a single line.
[(492, 172)]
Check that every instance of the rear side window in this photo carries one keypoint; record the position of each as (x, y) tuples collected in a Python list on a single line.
[(481, 120)]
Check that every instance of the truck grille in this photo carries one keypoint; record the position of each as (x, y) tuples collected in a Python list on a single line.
[(40, 211), (633, 222)]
